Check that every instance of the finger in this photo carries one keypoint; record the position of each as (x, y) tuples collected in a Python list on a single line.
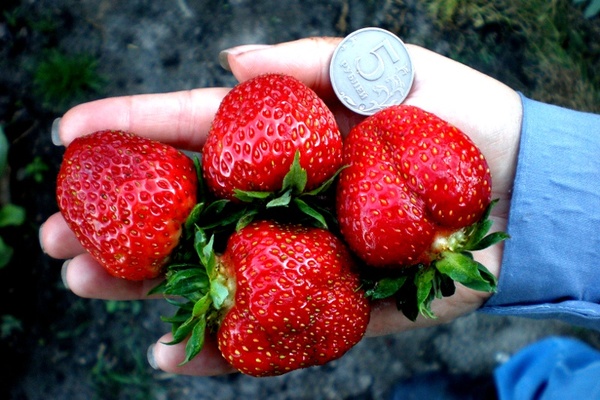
[(86, 278), (57, 240), (387, 319), (181, 119), (168, 358), (306, 59)]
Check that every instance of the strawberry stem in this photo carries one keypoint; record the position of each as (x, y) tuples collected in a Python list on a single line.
[(297, 204), (415, 287)]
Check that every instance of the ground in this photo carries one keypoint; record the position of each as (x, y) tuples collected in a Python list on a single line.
[(56, 345)]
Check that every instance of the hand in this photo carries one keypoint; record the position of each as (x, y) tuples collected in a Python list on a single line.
[(488, 111)]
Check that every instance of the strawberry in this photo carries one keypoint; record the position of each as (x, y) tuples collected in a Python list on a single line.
[(126, 197), (417, 192), (280, 297), (260, 126)]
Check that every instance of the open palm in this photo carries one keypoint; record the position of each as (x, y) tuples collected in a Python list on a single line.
[(488, 111)]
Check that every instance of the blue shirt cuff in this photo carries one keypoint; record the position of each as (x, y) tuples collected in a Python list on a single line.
[(550, 267)]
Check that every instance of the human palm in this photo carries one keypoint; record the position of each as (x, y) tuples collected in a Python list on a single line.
[(488, 111)]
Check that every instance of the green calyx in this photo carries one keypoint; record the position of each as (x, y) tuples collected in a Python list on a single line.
[(194, 280), (414, 288), (291, 200)]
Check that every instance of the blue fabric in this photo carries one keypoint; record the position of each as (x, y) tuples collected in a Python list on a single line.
[(552, 369), (550, 267)]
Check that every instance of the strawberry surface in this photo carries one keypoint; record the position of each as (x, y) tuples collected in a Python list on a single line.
[(412, 180), (126, 197), (278, 297), (259, 127), (297, 302)]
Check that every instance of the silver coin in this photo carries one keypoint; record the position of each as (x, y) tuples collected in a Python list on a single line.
[(371, 70)]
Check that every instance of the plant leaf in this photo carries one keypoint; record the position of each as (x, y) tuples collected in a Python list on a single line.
[(327, 184), (425, 291), (281, 201), (6, 253), (296, 178), (464, 269), (11, 215), (311, 212), (386, 287), (202, 306), (196, 341), (249, 196), (490, 240), (218, 293)]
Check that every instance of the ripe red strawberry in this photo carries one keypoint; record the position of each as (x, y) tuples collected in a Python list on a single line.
[(126, 197), (415, 191), (282, 297), (259, 127)]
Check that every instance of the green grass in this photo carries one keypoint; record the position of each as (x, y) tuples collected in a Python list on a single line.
[(546, 48), (62, 80)]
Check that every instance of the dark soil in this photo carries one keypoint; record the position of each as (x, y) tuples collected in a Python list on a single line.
[(59, 346)]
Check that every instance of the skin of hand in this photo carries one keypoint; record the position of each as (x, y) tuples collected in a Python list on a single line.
[(487, 110)]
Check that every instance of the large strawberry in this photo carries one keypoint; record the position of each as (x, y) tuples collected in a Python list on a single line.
[(416, 193), (126, 197), (280, 297), (258, 130)]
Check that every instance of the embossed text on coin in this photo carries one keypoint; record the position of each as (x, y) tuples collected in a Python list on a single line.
[(370, 70)]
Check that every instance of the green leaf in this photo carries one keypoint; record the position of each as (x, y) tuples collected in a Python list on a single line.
[(196, 341), (190, 283), (311, 212), (158, 289), (386, 287), (250, 196), (202, 192), (592, 9), (464, 269), (489, 240), (327, 184), (3, 151), (406, 301), (246, 219), (218, 293), (6, 253), (475, 233), (201, 306), (207, 255), (183, 331), (281, 201), (193, 218), (296, 178), (11, 215), (424, 280)]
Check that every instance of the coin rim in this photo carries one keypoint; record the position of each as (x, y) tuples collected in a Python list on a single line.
[(345, 39)]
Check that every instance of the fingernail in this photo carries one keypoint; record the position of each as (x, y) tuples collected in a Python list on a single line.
[(55, 132), (40, 238), (150, 356), (63, 274), (224, 55)]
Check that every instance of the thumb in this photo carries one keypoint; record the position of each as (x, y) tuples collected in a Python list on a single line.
[(306, 59)]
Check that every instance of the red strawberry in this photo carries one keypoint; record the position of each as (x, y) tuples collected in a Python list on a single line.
[(260, 126), (282, 297), (416, 189), (126, 197)]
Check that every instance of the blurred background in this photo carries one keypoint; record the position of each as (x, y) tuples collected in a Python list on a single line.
[(55, 54)]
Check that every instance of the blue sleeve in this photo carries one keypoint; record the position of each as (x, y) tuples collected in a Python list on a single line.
[(555, 368), (551, 263)]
